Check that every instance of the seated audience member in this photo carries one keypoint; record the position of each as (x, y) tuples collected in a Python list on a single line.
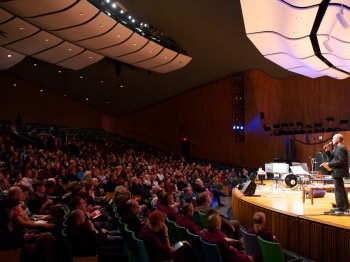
[(188, 196), (258, 228), (129, 215), (34, 245), (230, 227), (185, 219), (199, 187), (85, 241), (168, 206), (156, 237), (37, 201), (215, 236)]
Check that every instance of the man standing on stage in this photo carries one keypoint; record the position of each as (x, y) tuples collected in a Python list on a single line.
[(338, 162)]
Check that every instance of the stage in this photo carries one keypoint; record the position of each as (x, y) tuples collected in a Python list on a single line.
[(300, 227)]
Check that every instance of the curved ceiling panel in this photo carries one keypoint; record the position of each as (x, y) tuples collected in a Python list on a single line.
[(59, 53), (132, 44), (301, 47), (314, 35), (289, 62), (261, 16), (81, 60), (117, 35), (98, 26), (73, 16), (9, 58), (59, 32), (16, 29), (164, 57), (4, 16), (150, 50), (304, 3), (35, 43), (180, 61), (29, 8)]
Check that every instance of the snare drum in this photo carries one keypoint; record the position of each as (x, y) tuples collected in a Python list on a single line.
[(290, 180)]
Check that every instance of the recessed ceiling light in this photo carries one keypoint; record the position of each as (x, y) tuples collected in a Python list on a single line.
[(69, 49), (298, 18), (118, 35), (151, 51), (165, 57), (21, 28), (87, 99), (46, 40), (134, 44), (81, 13), (100, 25), (9, 55), (90, 57), (41, 90)]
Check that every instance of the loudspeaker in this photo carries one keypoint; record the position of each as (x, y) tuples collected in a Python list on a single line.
[(249, 188)]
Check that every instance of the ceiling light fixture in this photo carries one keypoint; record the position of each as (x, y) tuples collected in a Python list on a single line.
[(304, 37)]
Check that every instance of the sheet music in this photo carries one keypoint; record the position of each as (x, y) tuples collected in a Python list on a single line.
[(298, 170)]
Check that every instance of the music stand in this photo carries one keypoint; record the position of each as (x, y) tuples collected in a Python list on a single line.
[(298, 170)]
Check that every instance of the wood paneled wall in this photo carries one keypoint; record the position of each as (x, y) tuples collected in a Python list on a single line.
[(46, 108), (204, 115)]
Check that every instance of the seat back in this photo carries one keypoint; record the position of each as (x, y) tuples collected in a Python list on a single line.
[(141, 254), (196, 245), (172, 231), (271, 251), (130, 243), (211, 252), (181, 233), (252, 247), (203, 220), (64, 246), (197, 218)]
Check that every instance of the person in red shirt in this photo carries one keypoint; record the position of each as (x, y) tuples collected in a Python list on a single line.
[(213, 235)]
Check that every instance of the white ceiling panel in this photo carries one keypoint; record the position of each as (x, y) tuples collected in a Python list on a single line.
[(29, 8), (98, 26), (59, 53), (262, 16), (76, 15), (82, 60), (289, 62), (335, 73), (9, 58), (177, 63), (150, 50), (164, 57), (132, 44), (271, 43), (117, 35), (306, 72), (35, 43)]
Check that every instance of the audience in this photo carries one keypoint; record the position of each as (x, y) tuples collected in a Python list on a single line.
[(259, 230)]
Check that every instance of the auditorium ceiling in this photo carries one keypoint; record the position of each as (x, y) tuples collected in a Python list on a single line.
[(211, 32)]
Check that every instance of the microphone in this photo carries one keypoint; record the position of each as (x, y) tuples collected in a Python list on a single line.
[(329, 144)]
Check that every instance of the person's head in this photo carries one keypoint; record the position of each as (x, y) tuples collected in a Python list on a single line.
[(259, 221), (188, 191), (187, 209), (204, 198), (8, 207), (39, 187), (15, 192), (167, 199), (156, 220), (337, 139), (25, 192), (132, 206), (214, 221), (76, 218), (77, 202)]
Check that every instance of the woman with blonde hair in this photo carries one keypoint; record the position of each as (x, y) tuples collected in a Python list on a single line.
[(258, 228)]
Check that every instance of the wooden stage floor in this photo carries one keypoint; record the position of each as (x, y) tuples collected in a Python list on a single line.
[(289, 201)]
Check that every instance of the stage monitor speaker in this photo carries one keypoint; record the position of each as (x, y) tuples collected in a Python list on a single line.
[(249, 188)]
